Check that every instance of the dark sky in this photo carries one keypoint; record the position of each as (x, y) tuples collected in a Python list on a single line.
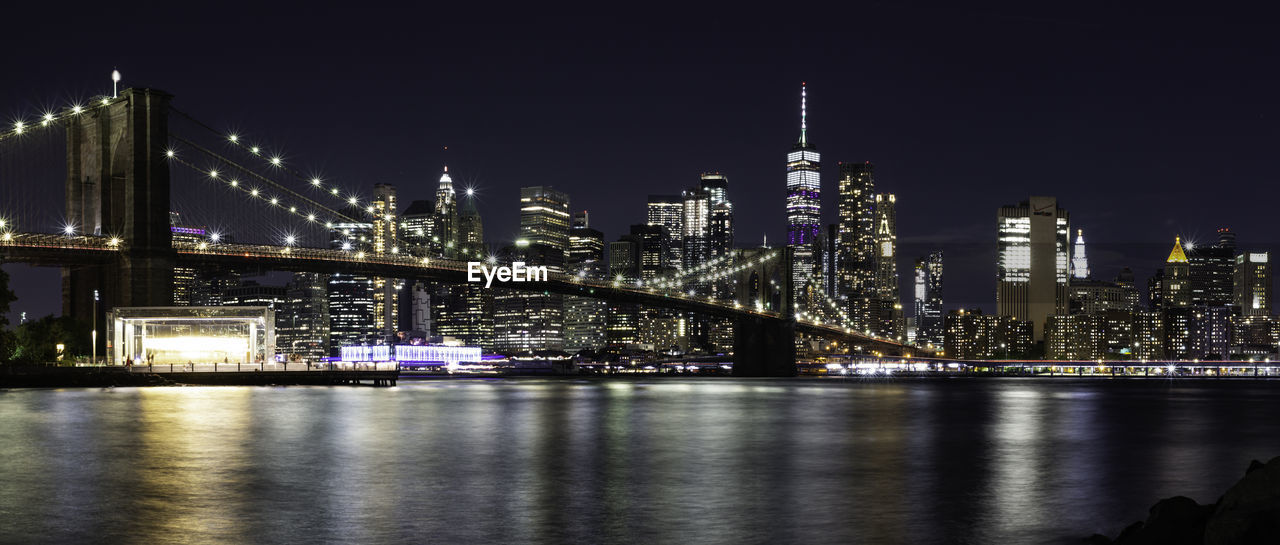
[(1145, 124)]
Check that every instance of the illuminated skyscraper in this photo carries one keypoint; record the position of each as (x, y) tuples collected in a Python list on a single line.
[(1079, 261), (446, 229), (804, 201), (928, 300), (668, 211), (585, 317), (1213, 270), (1253, 283), (302, 325), (417, 226), (855, 249), (544, 218), (1176, 290), (1031, 276), (465, 311), (386, 291), (352, 319), (696, 225)]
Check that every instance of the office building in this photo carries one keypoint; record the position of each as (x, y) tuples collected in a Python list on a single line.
[(1212, 270), (446, 218), (928, 300), (1252, 291), (804, 201), (544, 218), (972, 335), (668, 211), (856, 244), (1032, 261)]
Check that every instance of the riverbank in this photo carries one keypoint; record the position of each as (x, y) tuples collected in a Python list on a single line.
[(1249, 512), (12, 376)]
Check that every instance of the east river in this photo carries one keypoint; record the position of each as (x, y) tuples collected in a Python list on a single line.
[(650, 460)]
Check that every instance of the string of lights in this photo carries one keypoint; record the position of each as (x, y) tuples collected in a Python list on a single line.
[(277, 161)]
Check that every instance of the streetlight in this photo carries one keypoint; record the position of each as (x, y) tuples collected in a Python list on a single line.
[(115, 83), (94, 334)]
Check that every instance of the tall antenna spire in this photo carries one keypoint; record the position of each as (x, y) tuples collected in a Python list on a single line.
[(804, 127)]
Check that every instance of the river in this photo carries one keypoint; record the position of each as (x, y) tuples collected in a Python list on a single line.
[(645, 460)]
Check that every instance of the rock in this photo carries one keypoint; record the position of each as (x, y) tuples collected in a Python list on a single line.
[(1250, 511)]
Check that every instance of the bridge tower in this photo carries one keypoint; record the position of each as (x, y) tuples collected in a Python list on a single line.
[(118, 185), (765, 346)]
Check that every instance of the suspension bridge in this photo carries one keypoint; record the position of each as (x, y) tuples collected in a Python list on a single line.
[(115, 238)]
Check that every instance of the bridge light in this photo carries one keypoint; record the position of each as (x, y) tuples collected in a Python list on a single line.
[(168, 153), (311, 217), (76, 109), (290, 239), (115, 241), (106, 101), (275, 200), (328, 225), (215, 236), (8, 237), (213, 174), (254, 192), (334, 191), (235, 183), (69, 229), (48, 118), (426, 260), (315, 181), (395, 249), (359, 255), (254, 150), (3, 223), (293, 210), (352, 200), (369, 209), (275, 161), (346, 245), (17, 127)]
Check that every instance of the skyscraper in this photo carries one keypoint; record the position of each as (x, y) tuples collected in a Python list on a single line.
[(696, 225), (544, 218), (668, 211), (525, 321), (1079, 261), (585, 317), (386, 291), (928, 299), (720, 215), (1253, 283), (446, 228), (1176, 288), (804, 200), (303, 324), (855, 249), (1031, 277), (352, 319), (1212, 270), (465, 311), (418, 226)]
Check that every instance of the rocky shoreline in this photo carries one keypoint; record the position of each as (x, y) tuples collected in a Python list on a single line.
[(1248, 513)]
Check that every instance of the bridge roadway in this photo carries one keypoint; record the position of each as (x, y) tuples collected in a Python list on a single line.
[(69, 251)]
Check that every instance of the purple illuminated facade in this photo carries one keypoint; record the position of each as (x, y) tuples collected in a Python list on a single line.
[(804, 200)]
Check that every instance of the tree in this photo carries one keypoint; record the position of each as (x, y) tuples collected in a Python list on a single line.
[(6, 298), (37, 340)]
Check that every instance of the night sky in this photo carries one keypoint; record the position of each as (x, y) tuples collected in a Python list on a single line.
[(1144, 124)]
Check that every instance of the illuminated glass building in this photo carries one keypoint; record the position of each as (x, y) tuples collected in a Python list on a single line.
[(1212, 270), (855, 248), (623, 323), (1031, 277), (972, 335), (352, 319), (302, 323), (465, 311), (1253, 283), (526, 320), (804, 201), (668, 211), (386, 291), (544, 219), (696, 225), (418, 226), (928, 299), (585, 318)]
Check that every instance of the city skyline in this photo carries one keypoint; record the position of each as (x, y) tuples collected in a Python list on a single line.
[(941, 207)]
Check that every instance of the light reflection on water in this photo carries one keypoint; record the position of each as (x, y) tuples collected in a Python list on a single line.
[(625, 461)]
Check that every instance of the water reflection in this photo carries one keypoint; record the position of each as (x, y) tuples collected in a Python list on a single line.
[(600, 461)]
